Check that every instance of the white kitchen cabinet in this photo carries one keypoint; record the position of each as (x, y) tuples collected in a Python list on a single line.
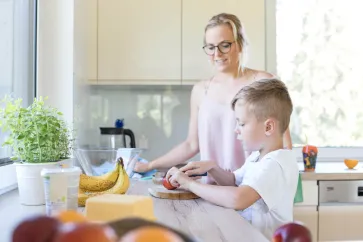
[(139, 40), (306, 212), (85, 39), (310, 194), (196, 14), (308, 215), (341, 223)]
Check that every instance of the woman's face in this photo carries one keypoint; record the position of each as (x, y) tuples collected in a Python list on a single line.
[(226, 57)]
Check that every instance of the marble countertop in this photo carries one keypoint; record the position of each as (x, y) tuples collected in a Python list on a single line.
[(332, 171), (197, 218)]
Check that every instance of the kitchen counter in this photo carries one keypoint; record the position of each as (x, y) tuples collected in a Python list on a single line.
[(332, 171), (198, 218)]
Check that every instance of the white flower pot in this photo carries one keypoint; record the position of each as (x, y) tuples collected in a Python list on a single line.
[(30, 182)]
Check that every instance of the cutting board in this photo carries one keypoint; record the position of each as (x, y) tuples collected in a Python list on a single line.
[(177, 194)]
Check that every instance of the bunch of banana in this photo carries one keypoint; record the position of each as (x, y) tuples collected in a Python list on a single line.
[(120, 186), (99, 183)]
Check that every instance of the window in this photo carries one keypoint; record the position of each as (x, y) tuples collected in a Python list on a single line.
[(17, 51), (317, 52)]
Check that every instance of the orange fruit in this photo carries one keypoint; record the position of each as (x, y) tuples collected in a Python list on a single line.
[(85, 232), (151, 234), (71, 216), (350, 163)]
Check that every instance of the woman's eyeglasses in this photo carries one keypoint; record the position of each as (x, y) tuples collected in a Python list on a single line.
[(223, 47)]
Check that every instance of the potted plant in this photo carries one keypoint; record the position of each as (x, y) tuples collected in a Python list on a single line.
[(39, 138)]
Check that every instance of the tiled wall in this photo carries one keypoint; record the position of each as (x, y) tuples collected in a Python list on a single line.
[(160, 113)]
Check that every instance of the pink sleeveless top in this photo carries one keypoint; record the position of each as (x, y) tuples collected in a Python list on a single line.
[(217, 138)]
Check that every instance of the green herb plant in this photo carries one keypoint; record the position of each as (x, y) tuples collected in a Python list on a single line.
[(38, 133)]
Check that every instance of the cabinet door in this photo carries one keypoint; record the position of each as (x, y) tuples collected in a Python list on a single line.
[(340, 223), (139, 40), (85, 39), (310, 194), (196, 15), (308, 215)]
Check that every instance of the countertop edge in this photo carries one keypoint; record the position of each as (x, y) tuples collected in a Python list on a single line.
[(312, 176)]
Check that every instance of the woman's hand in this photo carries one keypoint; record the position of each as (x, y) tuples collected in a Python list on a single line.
[(178, 179), (197, 167), (141, 167)]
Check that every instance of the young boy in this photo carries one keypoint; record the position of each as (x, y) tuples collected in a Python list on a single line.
[(263, 189)]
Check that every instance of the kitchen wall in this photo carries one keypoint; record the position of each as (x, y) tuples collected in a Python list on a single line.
[(160, 113)]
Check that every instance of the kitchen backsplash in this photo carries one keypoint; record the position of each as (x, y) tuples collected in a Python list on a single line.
[(159, 113)]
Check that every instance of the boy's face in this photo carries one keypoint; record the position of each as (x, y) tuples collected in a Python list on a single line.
[(250, 131)]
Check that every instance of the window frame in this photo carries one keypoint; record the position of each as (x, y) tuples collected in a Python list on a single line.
[(23, 34), (325, 154)]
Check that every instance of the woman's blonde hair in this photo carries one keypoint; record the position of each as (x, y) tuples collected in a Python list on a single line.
[(238, 32)]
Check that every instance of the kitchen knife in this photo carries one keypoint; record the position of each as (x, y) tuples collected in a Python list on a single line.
[(150, 177), (204, 174)]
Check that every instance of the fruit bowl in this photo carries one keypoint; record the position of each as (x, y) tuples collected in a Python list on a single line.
[(96, 161)]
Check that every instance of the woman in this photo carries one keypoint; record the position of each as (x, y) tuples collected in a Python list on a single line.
[(212, 121)]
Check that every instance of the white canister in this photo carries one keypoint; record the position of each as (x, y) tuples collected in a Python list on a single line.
[(61, 189)]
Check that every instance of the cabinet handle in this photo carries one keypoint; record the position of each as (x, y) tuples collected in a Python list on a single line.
[(360, 191)]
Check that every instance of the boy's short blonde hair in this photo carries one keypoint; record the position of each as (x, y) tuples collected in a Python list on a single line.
[(267, 98)]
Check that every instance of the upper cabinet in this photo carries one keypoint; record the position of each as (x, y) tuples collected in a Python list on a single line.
[(85, 39), (139, 41), (158, 41), (196, 14)]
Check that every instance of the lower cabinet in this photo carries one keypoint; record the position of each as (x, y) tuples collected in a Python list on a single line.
[(329, 222), (308, 215), (341, 223)]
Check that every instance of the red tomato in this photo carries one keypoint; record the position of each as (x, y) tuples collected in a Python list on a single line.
[(167, 184)]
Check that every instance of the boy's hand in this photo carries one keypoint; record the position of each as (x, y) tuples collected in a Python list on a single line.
[(197, 167), (177, 178)]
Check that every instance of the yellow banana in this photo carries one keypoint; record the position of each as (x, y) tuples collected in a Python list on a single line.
[(121, 186), (100, 183)]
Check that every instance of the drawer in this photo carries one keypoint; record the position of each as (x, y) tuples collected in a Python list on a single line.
[(340, 223)]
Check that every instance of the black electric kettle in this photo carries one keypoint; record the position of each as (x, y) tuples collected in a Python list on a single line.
[(115, 137)]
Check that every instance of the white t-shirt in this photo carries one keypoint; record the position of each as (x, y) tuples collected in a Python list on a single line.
[(274, 178)]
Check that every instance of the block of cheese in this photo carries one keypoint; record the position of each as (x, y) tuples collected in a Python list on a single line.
[(110, 207)]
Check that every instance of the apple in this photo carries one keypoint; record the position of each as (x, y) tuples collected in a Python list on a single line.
[(38, 228), (85, 232), (167, 184), (292, 232)]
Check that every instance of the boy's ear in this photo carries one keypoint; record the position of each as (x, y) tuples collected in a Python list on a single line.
[(270, 126)]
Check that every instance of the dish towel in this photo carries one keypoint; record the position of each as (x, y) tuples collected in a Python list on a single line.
[(146, 174), (299, 191)]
